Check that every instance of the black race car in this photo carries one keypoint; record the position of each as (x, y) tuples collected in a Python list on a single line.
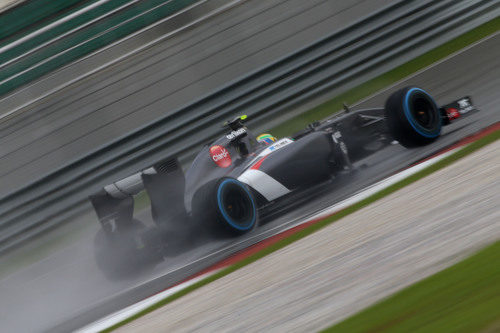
[(238, 179)]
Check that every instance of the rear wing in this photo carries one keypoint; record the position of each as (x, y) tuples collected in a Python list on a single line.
[(164, 183)]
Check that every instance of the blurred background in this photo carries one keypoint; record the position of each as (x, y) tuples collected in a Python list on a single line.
[(92, 91)]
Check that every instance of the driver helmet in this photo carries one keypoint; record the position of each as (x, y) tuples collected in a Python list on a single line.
[(266, 139)]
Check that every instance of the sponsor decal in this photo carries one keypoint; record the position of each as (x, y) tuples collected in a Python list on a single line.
[(220, 156), (465, 105), (275, 146), (452, 113), (462, 107), (235, 134)]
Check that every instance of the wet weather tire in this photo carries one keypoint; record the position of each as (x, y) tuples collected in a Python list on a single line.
[(225, 206), (413, 117)]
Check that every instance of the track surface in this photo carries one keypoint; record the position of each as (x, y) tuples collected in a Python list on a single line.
[(352, 263), (65, 291)]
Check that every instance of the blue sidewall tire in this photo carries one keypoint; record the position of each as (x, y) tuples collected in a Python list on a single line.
[(411, 120), (226, 217)]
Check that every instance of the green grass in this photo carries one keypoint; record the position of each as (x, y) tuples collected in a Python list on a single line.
[(319, 225), (372, 86), (462, 298)]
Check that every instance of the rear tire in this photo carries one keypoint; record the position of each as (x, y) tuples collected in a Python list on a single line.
[(225, 206), (413, 117)]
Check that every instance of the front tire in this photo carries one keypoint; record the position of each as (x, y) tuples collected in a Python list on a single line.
[(225, 206), (413, 117)]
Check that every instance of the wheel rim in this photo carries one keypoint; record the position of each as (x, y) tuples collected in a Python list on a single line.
[(423, 113), (420, 111)]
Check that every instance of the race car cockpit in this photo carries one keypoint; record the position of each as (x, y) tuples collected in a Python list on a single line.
[(239, 136)]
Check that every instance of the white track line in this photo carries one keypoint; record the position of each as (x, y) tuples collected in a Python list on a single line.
[(133, 309), (359, 196)]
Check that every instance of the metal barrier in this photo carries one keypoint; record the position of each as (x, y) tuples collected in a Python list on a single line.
[(26, 15), (390, 36), (86, 31)]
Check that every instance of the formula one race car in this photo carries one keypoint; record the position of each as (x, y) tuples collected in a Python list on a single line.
[(239, 177)]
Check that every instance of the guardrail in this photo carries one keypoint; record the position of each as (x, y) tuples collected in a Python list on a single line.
[(388, 36), (87, 30), (23, 45), (31, 15)]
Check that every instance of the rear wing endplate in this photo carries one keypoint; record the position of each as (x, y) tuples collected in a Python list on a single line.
[(164, 183)]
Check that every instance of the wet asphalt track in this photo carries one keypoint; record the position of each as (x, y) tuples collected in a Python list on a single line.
[(65, 290)]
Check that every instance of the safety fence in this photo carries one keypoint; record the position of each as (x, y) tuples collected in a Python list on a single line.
[(389, 36), (74, 35), (30, 15)]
